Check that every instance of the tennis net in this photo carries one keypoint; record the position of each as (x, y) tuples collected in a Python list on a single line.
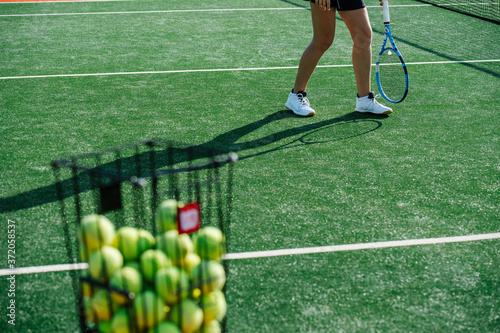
[(485, 9)]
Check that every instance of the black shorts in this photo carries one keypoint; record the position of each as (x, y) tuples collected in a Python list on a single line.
[(345, 4)]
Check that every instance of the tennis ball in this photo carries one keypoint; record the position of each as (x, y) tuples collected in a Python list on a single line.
[(87, 307), (133, 264), (133, 242), (175, 246), (146, 241), (126, 278), (83, 252), (149, 309), (104, 326), (187, 315), (126, 240), (211, 327), (121, 323), (214, 306), (87, 288), (208, 276), (95, 231), (209, 243), (167, 327), (166, 215), (102, 305), (190, 261), (171, 283), (151, 261), (103, 263)]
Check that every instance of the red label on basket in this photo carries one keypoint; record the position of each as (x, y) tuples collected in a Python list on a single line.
[(189, 218)]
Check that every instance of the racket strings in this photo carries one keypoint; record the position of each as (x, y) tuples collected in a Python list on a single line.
[(392, 75)]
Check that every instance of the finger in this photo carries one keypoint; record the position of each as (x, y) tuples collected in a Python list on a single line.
[(326, 5)]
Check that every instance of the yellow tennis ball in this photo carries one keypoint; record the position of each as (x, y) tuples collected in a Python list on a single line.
[(166, 215), (167, 327), (102, 305), (187, 315), (214, 306), (149, 309), (95, 231), (208, 276), (209, 243), (127, 279), (104, 262), (151, 261), (175, 246), (211, 327), (171, 283), (133, 264), (87, 307), (121, 323), (83, 252), (104, 326), (87, 288), (190, 261), (146, 241), (126, 240), (133, 242)]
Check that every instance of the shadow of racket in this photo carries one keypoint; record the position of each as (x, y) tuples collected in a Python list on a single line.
[(355, 125)]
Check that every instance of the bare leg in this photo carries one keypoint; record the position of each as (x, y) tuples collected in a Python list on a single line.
[(358, 23), (323, 33)]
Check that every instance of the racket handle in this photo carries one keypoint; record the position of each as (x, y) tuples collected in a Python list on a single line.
[(385, 8)]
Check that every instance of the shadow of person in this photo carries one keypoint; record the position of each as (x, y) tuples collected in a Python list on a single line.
[(223, 143), (228, 142)]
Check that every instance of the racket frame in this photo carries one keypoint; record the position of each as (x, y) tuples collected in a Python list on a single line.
[(392, 48)]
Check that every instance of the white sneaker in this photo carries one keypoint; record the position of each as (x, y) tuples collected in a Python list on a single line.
[(299, 104), (368, 104)]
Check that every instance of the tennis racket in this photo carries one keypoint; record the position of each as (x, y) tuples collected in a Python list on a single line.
[(391, 72)]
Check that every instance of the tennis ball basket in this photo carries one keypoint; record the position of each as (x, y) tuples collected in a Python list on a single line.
[(147, 225)]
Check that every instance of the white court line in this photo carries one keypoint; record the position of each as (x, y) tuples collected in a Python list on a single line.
[(174, 11), (361, 246), (284, 252), (180, 11), (225, 70), (61, 1), (43, 269)]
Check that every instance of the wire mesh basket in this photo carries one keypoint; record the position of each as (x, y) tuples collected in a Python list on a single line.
[(127, 186)]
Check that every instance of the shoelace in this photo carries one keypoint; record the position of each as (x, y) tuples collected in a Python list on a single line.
[(303, 100)]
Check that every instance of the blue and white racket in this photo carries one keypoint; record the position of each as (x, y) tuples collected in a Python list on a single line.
[(391, 72)]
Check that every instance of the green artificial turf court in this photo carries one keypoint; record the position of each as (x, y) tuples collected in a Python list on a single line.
[(79, 77)]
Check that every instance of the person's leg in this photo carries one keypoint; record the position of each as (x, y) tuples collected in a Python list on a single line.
[(358, 23), (323, 32)]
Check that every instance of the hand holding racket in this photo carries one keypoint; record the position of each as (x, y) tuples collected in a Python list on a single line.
[(391, 72)]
